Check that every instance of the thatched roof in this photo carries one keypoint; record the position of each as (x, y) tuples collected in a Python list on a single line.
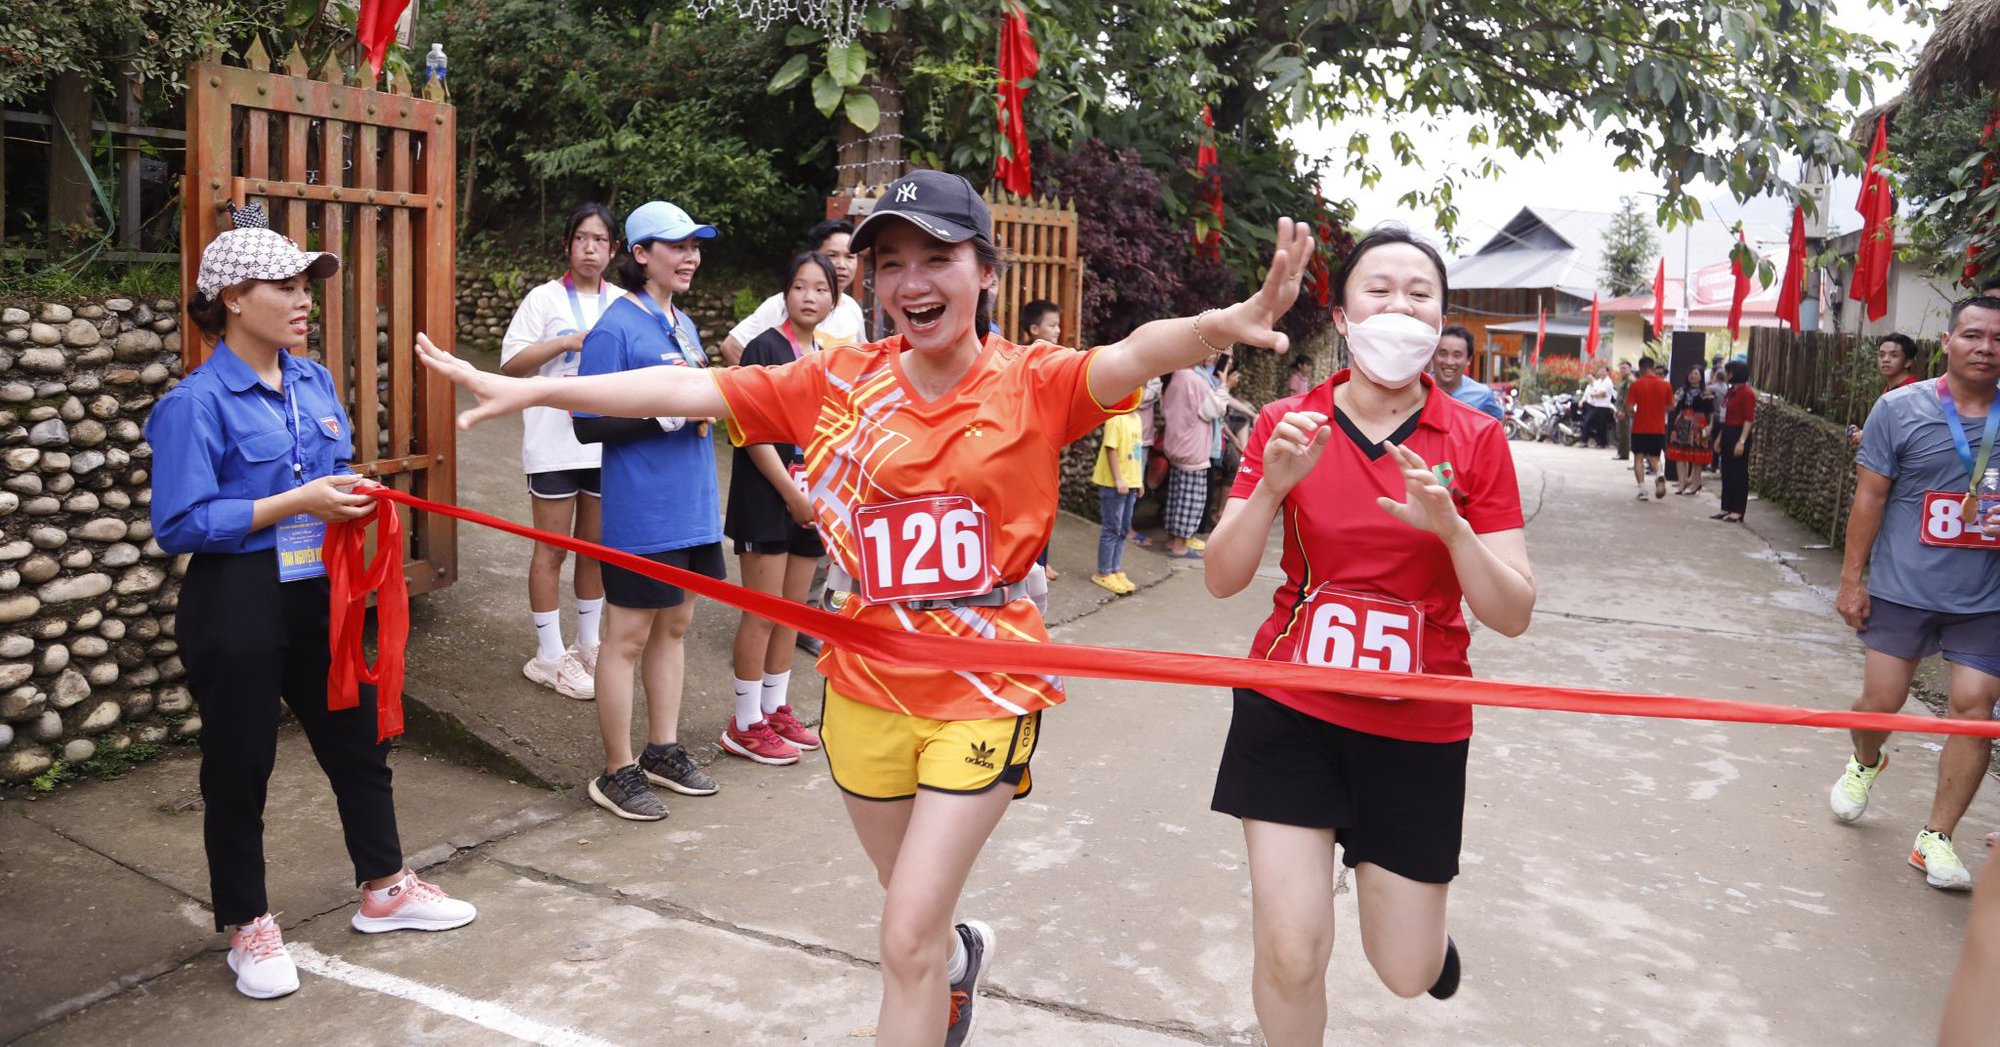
[(1964, 48)]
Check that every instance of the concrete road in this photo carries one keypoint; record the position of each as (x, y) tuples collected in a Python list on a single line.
[(1626, 881)]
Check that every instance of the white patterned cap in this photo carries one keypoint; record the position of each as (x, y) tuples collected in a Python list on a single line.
[(253, 251)]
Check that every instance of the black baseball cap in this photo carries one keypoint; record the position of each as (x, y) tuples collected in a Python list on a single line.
[(943, 205)]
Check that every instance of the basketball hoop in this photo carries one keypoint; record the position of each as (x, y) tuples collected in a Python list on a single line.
[(840, 19)]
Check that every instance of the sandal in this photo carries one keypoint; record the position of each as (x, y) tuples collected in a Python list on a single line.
[(1720, 516), (1191, 554)]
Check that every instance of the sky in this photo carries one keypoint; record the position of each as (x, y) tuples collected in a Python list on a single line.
[(1579, 173)]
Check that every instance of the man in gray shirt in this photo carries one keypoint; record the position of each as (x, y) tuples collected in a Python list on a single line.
[(1933, 578)]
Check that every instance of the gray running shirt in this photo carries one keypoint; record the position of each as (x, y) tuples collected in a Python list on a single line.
[(1907, 441)]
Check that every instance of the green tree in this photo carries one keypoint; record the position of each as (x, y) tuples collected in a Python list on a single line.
[(1939, 142), (1629, 250)]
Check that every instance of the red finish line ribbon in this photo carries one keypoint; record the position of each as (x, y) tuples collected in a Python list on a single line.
[(949, 653), (351, 579)]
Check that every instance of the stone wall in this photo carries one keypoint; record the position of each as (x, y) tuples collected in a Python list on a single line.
[(88, 663), (1802, 464)]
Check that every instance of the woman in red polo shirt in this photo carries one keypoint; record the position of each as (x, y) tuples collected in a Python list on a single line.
[(1397, 503)]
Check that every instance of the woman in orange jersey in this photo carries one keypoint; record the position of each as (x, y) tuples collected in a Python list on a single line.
[(932, 458)]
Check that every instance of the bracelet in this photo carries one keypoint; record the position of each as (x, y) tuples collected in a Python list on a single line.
[(1212, 347)]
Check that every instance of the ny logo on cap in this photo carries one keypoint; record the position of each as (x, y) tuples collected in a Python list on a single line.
[(906, 193)]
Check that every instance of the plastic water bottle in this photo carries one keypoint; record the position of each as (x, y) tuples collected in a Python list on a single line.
[(435, 64), (1989, 501)]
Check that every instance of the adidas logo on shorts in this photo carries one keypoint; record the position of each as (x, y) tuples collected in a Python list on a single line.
[(982, 756)]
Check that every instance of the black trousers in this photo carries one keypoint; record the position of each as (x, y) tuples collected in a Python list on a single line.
[(1597, 423), (1735, 469), (247, 641)]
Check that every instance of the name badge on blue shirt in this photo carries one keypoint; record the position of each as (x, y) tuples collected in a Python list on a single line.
[(301, 539)]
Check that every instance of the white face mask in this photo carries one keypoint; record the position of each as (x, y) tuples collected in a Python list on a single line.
[(1392, 349)]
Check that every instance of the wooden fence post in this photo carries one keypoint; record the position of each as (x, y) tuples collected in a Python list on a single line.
[(69, 180)]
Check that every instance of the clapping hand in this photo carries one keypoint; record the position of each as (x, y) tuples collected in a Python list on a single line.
[(1294, 448), (1427, 505)]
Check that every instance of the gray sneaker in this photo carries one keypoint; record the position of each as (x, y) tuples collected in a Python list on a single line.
[(978, 940), (671, 766), (624, 793)]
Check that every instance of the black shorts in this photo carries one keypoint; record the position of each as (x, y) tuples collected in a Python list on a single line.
[(557, 484), (1397, 804), (803, 541), (1649, 445), (623, 588)]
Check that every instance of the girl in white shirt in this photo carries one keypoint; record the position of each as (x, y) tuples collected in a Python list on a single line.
[(546, 338), (1600, 399)]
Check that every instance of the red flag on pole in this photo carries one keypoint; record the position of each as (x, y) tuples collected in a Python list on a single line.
[(1210, 190), (1541, 332), (1877, 207), (1792, 287), (1660, 298), (375, 27), (1590, 339), (1742, 289), (1019, 60)]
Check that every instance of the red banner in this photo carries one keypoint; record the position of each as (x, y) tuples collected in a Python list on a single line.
[(952, 653)]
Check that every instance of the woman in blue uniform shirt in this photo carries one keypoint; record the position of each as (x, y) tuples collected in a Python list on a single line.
[(250, 458)]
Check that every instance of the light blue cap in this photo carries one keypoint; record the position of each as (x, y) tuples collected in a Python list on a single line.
[(660, 220)]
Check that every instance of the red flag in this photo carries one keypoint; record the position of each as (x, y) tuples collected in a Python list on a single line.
[(376, 26), (1590, 339), (1877, 207), (1019, 60), (1793, 286), (1970, 276), (1318, 273), (1210, 190), (1742, 289), (1541, 332), (1660, 298)]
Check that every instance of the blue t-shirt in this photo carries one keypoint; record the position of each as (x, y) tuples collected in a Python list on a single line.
[(1907, 441), (659, 489), (1478, 396)]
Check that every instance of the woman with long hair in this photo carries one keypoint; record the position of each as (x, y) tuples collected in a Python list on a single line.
[(1687, 434), (770, 518), (1398, 504), (250, 463), (933, 458), (1739, 414)]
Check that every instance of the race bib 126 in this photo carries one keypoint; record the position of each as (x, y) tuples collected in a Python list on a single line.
[(930, 548)]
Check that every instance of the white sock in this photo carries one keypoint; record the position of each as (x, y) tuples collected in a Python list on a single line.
[(747, 709), (589, 615), (548, 634), (382, 894), (954, 971), (774, 690)]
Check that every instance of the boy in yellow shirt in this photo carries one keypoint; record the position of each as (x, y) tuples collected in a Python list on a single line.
[(1118, 479)]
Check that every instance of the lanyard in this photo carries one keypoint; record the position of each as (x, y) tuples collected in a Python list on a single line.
[(298, 454), (673, 330), (576, 304), (1958, 436), (791, 336)]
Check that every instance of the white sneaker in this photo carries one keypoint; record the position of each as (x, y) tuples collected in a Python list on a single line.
[(1938, 860), (1849, 798), (586, 655), (550, 673), (264, 969), (411, 905)]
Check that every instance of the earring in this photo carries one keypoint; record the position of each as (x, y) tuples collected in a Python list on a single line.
[(236, 309)]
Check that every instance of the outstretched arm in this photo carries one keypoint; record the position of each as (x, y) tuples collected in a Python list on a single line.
[(687, 392), (1169, 345)]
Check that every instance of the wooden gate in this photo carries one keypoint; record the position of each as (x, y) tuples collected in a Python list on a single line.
[(1037, 238), (368, 175)]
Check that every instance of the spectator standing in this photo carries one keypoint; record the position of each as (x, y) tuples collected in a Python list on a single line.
[(1193, 406), (1688, 444), (660, 502), (1622, 389), (1647, 398), (1599, 401), (1041, 321), (846, 325), (1298, 380), (1448, 364), (1149, 438), (1926, 446), (770, 520), (1739, 413), (1896, 359), (546, 338), (1118, 477)]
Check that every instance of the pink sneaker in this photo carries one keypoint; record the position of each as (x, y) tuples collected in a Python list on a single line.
[(759, 743), (411, 905), (788, 727), (264, 969)]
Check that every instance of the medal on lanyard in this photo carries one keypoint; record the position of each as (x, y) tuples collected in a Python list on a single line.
[(1968, 510), (673, 330), (576, 309)]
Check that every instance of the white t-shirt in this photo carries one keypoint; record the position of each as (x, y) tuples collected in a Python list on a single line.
[(843, 327), (548, 443), (1600, 392)]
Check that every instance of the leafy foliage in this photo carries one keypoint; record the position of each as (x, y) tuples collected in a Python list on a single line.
[(1555, 376), (1629, 249), (1936, 139), (97, 38)]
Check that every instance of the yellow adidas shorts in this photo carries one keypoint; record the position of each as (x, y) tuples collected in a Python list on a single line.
[(877, 754)]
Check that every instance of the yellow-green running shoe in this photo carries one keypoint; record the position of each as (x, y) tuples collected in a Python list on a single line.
[(1934, 854), (1850, 793)]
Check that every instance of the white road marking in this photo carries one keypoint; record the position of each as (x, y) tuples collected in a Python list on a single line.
[(483, 1013)]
